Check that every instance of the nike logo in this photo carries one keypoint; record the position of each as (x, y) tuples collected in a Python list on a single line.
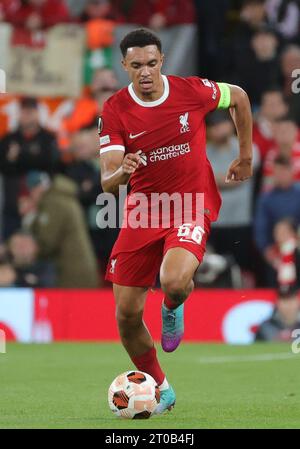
[(134, 136), (188, 241)]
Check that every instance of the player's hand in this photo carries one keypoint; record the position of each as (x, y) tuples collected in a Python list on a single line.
[(130, 163), (239, 170)]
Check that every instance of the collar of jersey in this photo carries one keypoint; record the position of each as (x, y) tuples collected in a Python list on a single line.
[(151, 104)]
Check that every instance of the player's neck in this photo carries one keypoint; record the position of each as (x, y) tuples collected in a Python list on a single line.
[(156, 94)]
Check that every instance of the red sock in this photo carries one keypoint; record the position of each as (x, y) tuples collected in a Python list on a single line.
[(169, 303), (148, 363)]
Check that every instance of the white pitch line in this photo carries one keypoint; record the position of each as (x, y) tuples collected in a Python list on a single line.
[(248, 358)]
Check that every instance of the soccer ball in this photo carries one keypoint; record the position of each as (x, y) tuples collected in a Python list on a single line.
[(133, 395)]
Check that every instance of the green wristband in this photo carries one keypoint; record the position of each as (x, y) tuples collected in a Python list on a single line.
[(224, 102)]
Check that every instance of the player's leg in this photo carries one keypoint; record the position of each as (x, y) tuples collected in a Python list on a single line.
[(134, 334), (176, 275), (136, 339), (176, 278), (184, 249)]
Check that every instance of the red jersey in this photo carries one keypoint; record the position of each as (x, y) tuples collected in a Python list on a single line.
[(171, 134)]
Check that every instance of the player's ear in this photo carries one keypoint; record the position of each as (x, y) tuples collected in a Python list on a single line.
[(162, 59), (124, 65)]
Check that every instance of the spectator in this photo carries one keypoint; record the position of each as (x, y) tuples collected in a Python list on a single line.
[(36, 15), (284, 15), (97, 9), (286, 143), (7, 275), (211, 18), (252, 18), (272, 108), (286, 246), (253, 13), (30, 271), (85, 172), (8, 8), (60, 230), (156, 14), (76, 7), (231, 234), (86, 108), (272, 207), (30, 147), (258, 68), (85, 169), (104, 84), (285, 254), (284, 319), (290, 62), (99, 19)]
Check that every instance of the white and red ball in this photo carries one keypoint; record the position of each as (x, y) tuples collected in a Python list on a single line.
[(133, 395)]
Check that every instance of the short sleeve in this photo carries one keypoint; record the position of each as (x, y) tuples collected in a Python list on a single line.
[(110, 131), (206, 92)]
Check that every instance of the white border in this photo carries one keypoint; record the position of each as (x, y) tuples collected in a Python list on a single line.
[(112, 148), (151, 104)]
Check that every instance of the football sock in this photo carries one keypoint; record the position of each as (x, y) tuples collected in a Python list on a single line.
[(148, 363), (164, 386), (169, 303)]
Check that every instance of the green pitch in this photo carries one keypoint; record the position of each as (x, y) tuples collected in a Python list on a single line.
[(217, 386)]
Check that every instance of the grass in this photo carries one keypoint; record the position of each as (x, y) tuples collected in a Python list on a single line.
[(64, 385)]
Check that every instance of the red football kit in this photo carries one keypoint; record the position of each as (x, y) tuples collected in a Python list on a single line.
[(170, 136)]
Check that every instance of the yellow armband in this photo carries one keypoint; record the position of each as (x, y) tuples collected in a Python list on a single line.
[(224, 102)]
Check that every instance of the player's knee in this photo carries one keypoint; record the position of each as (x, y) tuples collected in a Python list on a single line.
[(176, 287), (128, 318)]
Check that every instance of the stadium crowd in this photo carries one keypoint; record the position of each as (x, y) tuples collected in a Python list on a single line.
[(49, 165)]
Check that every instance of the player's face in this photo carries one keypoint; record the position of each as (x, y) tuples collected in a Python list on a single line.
[(144, 69)]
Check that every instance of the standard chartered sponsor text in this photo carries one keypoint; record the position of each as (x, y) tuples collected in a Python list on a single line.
[(169, 152)]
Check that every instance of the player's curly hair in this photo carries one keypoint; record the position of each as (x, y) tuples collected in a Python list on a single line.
[(139, 38)]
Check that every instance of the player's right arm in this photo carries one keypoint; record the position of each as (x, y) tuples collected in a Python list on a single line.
[(117, 169), (116, 166)]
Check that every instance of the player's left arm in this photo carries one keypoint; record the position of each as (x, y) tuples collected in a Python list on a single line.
[(238, 102)]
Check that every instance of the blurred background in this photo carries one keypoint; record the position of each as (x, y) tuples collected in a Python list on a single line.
[(62, 61)]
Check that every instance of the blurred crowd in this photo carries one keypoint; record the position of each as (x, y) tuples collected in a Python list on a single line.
[(52, 12), (49, 163)]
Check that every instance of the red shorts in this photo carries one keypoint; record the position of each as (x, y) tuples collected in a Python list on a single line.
[(138, 266)]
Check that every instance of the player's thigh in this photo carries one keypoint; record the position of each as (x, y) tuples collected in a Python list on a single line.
[(178, 267), (130, 301), (183, 252), (137, 268)]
